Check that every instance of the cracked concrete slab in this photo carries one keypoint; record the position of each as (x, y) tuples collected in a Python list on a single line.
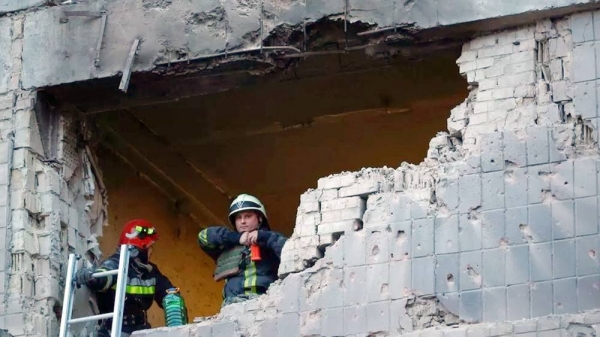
[(182, 31), (7, 6)]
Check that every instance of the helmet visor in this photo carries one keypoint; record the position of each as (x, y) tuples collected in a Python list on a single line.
[(143, 232)]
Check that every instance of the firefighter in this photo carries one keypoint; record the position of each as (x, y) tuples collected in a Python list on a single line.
[(145, 283), (244, 278)]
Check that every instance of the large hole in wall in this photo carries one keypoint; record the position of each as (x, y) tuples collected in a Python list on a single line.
[(177, 161)]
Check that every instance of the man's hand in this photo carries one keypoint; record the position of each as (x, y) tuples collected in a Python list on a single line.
[(249, 238), (244, 239), (252, 237), (83, 276)]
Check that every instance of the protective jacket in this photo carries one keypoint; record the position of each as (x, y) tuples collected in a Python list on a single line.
[(241, 274), (145, 283)]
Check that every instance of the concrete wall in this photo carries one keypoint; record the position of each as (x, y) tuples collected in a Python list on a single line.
[(54, 204), (51, 204), (580, 325), (62, 51), (279, 181), (7, 6), (498, 223)]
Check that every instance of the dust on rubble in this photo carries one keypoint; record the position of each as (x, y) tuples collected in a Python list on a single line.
[(427, 312), (156, 3)]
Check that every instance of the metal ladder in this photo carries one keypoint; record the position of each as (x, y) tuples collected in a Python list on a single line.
[(116, 315)]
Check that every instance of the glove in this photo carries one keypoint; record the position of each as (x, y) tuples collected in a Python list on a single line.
[(134, 252), (83, 277)]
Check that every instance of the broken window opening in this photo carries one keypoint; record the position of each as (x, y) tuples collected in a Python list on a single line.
[(177, 149)]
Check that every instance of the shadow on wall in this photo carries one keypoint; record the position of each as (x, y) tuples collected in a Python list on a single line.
[(279, 183), (289, 133), (349, 127), (176, 254)]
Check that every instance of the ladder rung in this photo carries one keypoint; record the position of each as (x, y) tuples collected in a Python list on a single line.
[(91, 318), (105, 273), (121, 286)]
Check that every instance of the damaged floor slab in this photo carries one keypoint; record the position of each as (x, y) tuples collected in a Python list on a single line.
[(200, 28)]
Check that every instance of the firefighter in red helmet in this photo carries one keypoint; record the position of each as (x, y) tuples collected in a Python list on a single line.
[(145, 283)]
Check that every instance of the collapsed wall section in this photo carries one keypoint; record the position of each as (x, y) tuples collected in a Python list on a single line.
[(51, 203), (498, 223)]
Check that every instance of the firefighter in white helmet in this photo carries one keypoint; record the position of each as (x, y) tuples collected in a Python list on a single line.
[(248, 258)]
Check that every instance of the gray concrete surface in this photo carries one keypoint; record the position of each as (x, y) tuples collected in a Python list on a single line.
[(511, 231), (5, 53), (513, 241), (7, 6), (58, 53)]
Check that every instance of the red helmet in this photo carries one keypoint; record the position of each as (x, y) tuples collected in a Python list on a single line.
[(139, 233)]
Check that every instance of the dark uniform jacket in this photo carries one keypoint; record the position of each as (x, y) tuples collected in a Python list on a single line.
[(145, 284), (254, 277)]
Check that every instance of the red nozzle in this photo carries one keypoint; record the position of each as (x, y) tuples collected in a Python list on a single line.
[(255, 252)]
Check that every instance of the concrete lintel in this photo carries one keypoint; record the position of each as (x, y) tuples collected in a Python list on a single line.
[(58, 52)]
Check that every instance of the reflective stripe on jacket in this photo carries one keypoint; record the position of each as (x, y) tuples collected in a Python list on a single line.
[(143, 287), (253, 277)]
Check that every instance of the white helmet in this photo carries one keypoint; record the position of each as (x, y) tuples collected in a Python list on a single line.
[(244, 202)]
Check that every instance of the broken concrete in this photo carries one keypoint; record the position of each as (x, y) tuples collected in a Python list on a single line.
[(57, 209), (5, 54), (582, 325), (60, 50), (51, 202), (7, 6), (485, 229)]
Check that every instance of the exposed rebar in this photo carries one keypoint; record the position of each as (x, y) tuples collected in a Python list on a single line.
[(235, 52)]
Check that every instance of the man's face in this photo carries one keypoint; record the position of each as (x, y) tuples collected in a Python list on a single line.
[(246, 221)]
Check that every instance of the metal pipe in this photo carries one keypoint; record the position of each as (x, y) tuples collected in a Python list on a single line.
[(90, 318), (68, 297), (105, 273), (242, 51), (120, 292), (92, 14), (129, 66), (304, 44), (376, 31), (325, 52), (346, 24), (100, 39), (262, 11), (313, 53)]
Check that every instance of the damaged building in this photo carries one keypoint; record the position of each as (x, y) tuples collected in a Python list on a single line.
[(434, 165)]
